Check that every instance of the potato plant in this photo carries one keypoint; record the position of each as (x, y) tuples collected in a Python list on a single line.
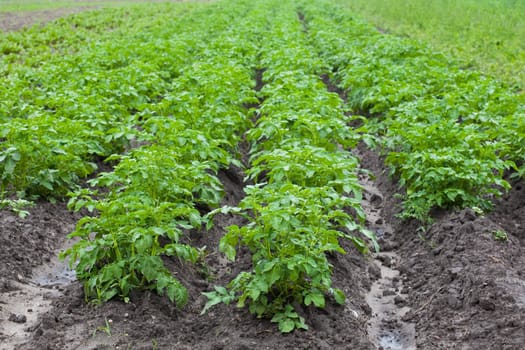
[(80, 100)]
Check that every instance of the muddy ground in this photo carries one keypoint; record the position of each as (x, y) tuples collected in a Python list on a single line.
[(466, 289), (150, 321), (451, 285)]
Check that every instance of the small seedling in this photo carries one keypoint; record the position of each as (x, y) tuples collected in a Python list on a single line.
[(17, 206), (106, 329), (478, 211), (500, 235)]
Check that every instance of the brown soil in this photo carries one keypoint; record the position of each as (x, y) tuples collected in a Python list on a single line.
[(18, 20), (150, 321), (466, 290), (27, 246), (459, 287)]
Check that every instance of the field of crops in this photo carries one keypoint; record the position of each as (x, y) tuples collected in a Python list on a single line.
[(254, 175)]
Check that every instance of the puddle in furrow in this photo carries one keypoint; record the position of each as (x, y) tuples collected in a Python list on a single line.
[(56, 273), (26, 299), (387, 301), (386, 298)]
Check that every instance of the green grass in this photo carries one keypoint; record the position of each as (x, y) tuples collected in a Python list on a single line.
[(486, 34)]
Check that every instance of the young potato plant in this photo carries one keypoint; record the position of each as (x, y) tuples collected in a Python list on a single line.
[(283, 116), (291, 230), (458, 169), (198, 96), (43, 157), (191, 144), (152, 196), (307, 166), (121, 249), (511, 130)]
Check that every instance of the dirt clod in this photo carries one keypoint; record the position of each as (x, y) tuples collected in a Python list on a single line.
[(17, 318), (400, 301)]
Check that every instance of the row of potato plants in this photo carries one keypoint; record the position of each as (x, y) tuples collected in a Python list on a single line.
[(60, 113), (160, 190), (306, 196), (449, 133)]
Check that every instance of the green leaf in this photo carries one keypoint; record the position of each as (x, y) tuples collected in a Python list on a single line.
[(229, 242), (339, 296), (220, 295), (177, 293), (316, 298), (151, 267), (228, 250), (286, 325)]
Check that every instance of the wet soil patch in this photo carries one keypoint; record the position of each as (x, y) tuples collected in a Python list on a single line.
[(30, 242), (150, 321), (387, 297), (28, 247)]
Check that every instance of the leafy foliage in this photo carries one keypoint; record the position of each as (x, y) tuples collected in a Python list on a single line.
[(159, 190), (166, 92), (485, 34), (307, 197), (448, 133)]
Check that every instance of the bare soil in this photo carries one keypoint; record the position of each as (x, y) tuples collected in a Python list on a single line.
[(10, 21), (465, 289), (150, 321), (453, 283)]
